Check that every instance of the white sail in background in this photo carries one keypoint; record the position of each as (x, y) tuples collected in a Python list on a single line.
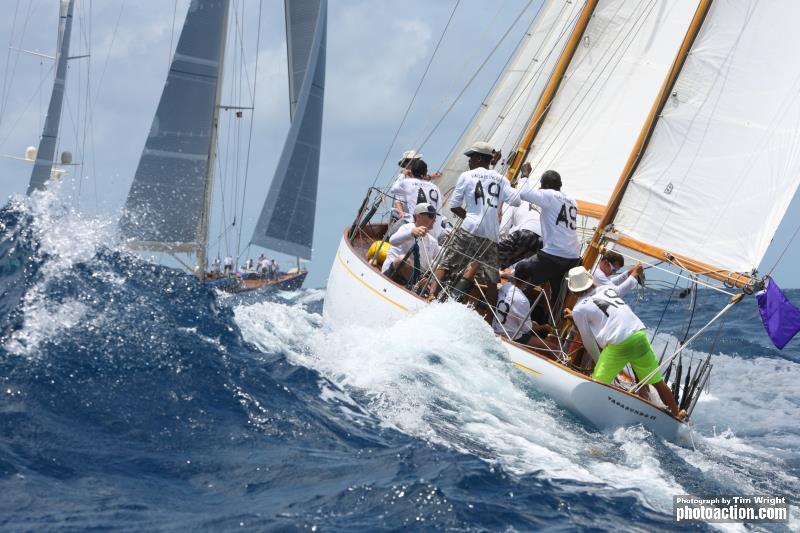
[(607, 92), (47, 144), (506, 111), (723, 162)]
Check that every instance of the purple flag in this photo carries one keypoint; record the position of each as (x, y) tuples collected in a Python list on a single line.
[(781, 318)]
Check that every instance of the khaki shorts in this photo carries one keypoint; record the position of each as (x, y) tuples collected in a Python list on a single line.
[(465, 248)]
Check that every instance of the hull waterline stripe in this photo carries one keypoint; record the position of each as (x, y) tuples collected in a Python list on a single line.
[(525, 368), (364, 283)]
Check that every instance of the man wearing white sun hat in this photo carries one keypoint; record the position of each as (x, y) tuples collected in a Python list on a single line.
[(600, 314)]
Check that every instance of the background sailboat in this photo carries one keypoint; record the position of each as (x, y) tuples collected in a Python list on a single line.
[(45, 165), (168, 206)]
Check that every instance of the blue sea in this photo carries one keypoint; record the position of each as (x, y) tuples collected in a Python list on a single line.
[(132, 398)]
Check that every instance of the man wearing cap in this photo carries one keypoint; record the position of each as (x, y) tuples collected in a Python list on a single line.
[(478, 197), (413, 246), (558, 220), (600, 314), (414, 189)]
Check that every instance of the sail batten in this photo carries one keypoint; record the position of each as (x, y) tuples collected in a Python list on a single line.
[(286, 222), (723, 161)]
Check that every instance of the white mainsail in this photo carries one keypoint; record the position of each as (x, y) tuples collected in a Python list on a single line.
[(723, 162), (607, 91), (47, 144)]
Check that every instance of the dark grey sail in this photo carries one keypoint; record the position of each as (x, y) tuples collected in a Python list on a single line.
[(47, 144), (286, 223), (168, 205)]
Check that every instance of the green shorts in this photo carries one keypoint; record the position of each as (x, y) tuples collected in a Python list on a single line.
[(635, 350)]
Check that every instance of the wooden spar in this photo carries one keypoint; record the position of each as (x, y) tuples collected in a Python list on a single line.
[(543, 106), (590, 209), (593, 250), (734, 279)]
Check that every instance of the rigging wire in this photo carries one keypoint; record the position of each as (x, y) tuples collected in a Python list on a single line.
[(88, 43), (252, 118), (463, 67), (785, 249), (171, 34), (416, 92), (519, 92), (610, 57), (6, 78), (475, 75)]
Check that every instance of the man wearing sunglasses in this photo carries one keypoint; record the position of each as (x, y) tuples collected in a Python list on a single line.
[(607, 272)]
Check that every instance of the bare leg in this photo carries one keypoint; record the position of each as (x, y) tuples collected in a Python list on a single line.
[(666, 396)]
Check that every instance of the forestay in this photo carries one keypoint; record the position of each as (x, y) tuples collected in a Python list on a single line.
[(724, 159), (607, 92), (286, 223), (168, 199), (504, 114)]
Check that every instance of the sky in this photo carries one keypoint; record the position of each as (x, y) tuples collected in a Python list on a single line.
[(377, 52)]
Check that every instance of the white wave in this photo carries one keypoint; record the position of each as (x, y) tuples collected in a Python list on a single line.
[(66, 237), (440, 375), (303, 296)]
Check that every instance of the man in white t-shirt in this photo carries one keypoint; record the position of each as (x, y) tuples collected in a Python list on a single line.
[(513, 313), (606, 272), (478, 197), (414, 189), (602, 317), (227, 265), (558, 219), (413, 247)]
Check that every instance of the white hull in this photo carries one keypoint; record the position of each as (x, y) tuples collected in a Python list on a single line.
[(357, 293)]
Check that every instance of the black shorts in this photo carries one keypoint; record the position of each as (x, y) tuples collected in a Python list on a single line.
[(521, 244), (551, 269)]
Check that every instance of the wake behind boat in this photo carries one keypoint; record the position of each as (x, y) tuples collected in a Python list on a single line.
[(657, 128)]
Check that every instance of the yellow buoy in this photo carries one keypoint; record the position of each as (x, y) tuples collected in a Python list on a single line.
[(384, 249)]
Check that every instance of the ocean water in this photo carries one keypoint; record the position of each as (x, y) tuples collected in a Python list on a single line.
[(133, 398)]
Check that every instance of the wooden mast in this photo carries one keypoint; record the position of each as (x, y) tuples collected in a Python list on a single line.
[(543, 106), (593, 250)]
